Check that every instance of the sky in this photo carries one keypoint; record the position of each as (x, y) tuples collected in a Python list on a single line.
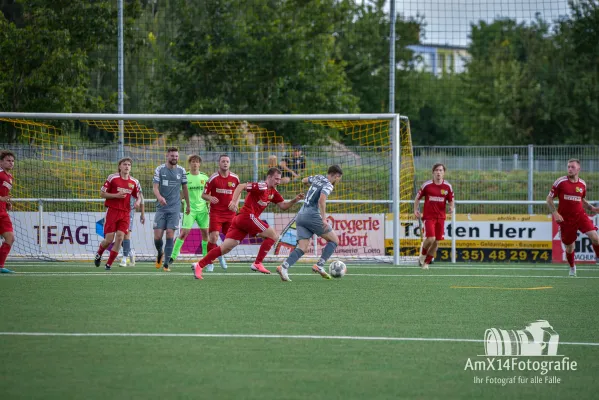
[(448, 21)]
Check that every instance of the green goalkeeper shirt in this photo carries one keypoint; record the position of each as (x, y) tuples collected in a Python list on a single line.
[(195, 186)]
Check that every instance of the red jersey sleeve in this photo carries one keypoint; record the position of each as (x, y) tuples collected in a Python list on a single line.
[(450, 194), (277, 198), (106, 186), (421, 192), (256, 187), (555, 188)]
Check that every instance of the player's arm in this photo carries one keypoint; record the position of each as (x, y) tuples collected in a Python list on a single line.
[(234, 204), (105, 195), (307, 180), (286, 205), (156, 190), (417, 205), (283, 165), (186, 198), (589, 207), (552, 209)]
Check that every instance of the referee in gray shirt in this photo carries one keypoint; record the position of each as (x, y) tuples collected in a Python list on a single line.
[(169, 181)]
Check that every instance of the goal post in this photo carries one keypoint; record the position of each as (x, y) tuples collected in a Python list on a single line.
[(59, 214)]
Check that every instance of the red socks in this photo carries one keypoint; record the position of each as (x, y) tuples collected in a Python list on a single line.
[(101, 249), (211, 256), (424, 251), (570, 258), (264, 249), (596, 248), (4, 250), (111, 257), (428, 259), (211, 246)]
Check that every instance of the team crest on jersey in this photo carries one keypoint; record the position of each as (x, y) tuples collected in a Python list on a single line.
[(443, 191), (131, 186), (231, 184), (270, 196), (578, 189)]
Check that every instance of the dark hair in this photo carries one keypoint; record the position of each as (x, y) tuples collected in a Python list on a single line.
[(194, 157), (223, 155), (6, 153), (437, 165), (272, 171), (335, 169), (576, 160), (172, 149)]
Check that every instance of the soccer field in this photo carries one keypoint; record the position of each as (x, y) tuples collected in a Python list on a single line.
[(381, 332)]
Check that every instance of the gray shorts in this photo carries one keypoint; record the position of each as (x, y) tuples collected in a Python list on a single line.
[(309, 224), (166, 220)]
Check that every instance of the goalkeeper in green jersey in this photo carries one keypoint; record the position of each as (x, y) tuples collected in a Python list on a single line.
[(196, 181)]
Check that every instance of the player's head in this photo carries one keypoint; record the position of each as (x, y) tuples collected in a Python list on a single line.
[(194, 162), (334, 174), (273, 177), (438, 171), (172, 155), (7, 160), (125, 165), (224, 162), (272, 161), (573, 167)]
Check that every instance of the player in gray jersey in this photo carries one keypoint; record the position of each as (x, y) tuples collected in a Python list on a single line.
[(169, 181), (312, 220)]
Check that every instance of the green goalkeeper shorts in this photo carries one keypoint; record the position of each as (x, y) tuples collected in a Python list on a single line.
[(201, 218)]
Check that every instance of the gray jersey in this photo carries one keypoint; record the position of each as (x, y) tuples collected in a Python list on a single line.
[(169, 185), (319, 184)]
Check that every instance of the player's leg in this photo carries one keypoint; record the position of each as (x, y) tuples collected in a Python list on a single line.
[(296, 254), (221, 259), (214, 230), (439, 234), (127, 241), (225, 247), (171, 227), (114, 252), (7, 233), (159, 228), (9, 238), (568, 233), (588, 228), (595, 241), (257, 227), (428, 242), (327, 252), (186, 226)]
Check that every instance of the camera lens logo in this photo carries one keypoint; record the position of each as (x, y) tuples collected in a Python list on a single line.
[(536, 339)]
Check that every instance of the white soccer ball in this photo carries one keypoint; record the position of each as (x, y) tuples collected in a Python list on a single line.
[(337, 269)]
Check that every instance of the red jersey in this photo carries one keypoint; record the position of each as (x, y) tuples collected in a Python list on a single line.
[(222, 188), (435, 198), (5, 187), (115, 184), (570, 195), (259, 197)]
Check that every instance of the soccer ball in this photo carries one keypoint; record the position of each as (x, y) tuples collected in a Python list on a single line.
[(337, 269)]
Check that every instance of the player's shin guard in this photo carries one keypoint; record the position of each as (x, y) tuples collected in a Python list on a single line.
[(204, 247), (570, 258), (126, 247), (113, 255), (4, 250), (211, 256), (264, 249), (158, 244), (211, 246), (327, 252), (168, 250), (293, 257), (177, 249)]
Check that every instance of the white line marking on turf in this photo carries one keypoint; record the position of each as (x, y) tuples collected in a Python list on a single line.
[(189, 274), (262, 336)]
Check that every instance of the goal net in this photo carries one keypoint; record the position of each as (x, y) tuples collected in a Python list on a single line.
[(62, 163)]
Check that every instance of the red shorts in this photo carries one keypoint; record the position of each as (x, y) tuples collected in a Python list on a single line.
[(218, 224), (5, 223), (570, 227), (246, 224), (117, 220), (434, 227)]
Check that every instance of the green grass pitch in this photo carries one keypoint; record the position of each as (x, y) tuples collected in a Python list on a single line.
[(381, 332)]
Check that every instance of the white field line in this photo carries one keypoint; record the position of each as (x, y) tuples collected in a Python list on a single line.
[(208, 274), (262, 336)]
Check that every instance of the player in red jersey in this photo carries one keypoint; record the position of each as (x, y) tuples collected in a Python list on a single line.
[(248, 222), (7, 163), (219, 193), (436, 192), (117, 190), (570, 214)]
